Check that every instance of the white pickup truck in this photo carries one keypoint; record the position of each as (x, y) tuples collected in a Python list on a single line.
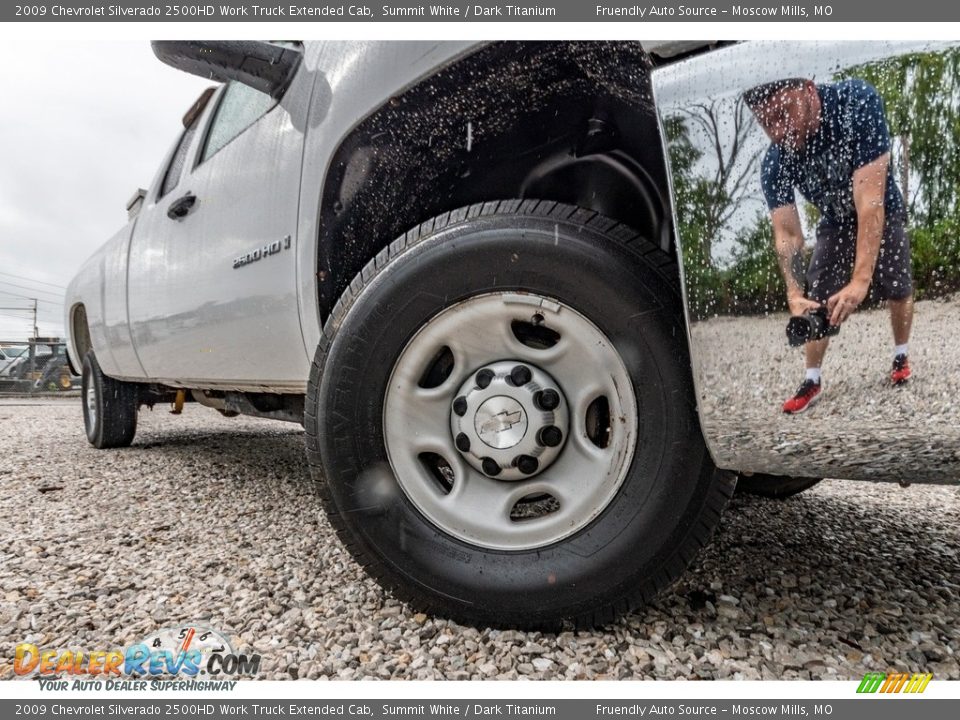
[(459, 265)]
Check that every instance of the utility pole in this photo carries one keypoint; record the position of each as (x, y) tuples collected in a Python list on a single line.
[(36, 331)]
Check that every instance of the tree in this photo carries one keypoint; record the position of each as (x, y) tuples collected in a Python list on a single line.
[(724, 189), (921, 96), (711, 179), (702, 278)]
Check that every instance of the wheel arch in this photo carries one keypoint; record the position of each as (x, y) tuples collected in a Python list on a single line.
[(571, 122), (79, 343)]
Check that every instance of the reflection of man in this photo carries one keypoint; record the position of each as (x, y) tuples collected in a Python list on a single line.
[(832, 143)]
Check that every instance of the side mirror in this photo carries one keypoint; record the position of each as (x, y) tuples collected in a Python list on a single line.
[(135, 203), (267, 67)]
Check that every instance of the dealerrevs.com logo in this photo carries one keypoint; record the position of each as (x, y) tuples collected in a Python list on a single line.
[(186, 657)]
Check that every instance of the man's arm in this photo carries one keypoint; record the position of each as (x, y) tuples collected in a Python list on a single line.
[(788, 239), (869, 188)]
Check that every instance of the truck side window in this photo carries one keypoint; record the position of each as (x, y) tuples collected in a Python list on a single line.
[(175, 169), (239, 108)]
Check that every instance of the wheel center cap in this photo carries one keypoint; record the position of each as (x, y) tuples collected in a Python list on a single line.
[(500, 422), (509, 420)]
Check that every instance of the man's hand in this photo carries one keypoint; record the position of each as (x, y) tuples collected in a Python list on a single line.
[(799, 305), (842, 305)]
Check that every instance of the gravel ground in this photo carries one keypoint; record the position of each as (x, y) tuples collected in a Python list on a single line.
[(861, 422), (213, 519)]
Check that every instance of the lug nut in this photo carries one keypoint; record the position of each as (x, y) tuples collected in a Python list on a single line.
[(483, 378), (526, 464), (490, 466), (460, 406), (520, 375), (463, 443), (550, 436), (547, 399)]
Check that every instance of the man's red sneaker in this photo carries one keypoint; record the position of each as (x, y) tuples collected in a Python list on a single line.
[(901, 370), (807, 395)]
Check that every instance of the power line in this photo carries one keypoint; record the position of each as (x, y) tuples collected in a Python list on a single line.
[(33, 290), (39, 282), (55, 303)]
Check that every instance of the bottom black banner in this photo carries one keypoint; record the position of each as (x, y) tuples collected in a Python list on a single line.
[(874, 707)]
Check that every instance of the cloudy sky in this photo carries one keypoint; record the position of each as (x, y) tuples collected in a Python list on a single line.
[(82, 126)]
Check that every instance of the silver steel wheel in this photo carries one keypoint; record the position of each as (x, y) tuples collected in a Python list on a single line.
[(90, 397), (475, 444)]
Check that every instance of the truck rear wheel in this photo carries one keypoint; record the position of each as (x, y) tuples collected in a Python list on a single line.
[(500, 419), (109, 407)]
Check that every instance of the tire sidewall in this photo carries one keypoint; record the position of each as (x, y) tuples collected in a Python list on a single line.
[(660, 498)]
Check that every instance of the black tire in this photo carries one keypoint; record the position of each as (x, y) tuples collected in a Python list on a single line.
[(113, 422), (775, 487), (672, 496)]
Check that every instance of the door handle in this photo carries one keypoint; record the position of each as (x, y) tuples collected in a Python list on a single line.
[(181, 206)]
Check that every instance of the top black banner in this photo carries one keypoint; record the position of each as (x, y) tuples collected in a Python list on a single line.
[(485, 11)]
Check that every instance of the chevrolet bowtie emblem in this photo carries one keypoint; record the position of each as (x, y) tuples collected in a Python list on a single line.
[(500, 422)]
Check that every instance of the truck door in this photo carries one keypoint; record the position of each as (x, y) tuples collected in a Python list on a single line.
[(213, 284)]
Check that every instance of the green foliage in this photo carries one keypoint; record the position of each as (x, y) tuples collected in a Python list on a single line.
[(706, 292), (754, 279), (921, 97), (752, 283), (691, 201), (935, 253)]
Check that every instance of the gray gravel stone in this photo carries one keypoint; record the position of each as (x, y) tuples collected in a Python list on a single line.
[(215, 519), (743, 400)]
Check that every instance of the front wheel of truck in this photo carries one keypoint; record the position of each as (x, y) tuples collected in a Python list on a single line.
[(500, 419)]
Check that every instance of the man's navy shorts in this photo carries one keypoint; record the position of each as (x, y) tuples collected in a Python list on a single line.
[(831, 265)]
